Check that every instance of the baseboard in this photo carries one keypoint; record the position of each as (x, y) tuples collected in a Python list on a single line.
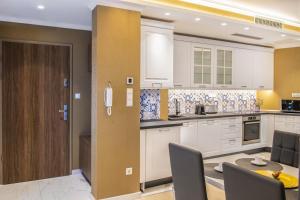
[(76, 171), (132, 196)]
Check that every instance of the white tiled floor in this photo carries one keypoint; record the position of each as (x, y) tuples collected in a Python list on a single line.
[(72, 187)]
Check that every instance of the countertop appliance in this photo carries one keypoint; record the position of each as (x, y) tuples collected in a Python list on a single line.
[(211, 109), (177, 107), (200, 109), (292, 106), (251, 129)]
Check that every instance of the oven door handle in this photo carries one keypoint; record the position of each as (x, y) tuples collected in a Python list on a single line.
[(254, 122)]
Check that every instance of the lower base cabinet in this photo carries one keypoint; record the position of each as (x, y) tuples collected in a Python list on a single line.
[(156, 152)]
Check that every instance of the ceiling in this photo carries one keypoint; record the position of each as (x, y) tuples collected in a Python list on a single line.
[(77, 14), (283, 10)]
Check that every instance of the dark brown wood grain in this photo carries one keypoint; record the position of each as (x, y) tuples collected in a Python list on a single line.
[(35, 136)]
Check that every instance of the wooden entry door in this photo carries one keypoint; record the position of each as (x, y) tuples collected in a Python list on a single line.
[(35, 128)]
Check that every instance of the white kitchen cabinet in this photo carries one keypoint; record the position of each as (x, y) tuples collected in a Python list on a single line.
[(142, 156), (202, 65), (231, 134), (224, 67), (267, 129), (182, 64), (209, 138), (156, 54), (157, 152), (287, 123), (263, 75), (189, 134), (243, 70)]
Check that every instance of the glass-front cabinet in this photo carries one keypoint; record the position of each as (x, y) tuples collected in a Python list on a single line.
[(224, 71), (202, 66)]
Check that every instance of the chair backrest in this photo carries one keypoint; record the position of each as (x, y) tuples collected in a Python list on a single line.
[(242, 184), (187, 173), (285, 148)]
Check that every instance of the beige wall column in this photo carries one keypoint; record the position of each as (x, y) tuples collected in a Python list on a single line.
[(115, 138)]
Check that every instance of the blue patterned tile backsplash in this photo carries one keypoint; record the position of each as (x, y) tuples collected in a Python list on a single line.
[(150, 104), (226, 100)]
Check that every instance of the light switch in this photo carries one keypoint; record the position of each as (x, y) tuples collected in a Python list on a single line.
[(77, 95), (129, 97)]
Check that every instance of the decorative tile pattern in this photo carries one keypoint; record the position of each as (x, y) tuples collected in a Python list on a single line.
[(150, 104), (226, 100)]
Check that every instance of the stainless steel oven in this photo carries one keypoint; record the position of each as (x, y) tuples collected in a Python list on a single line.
[(251, 129)]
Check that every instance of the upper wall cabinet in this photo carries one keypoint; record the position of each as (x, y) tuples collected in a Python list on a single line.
[(202, 65), (182, 64), (205, 63), (244, 68), (263, 76), (156, 54), (224, 67)]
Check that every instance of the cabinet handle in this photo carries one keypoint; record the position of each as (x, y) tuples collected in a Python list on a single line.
[(261, 86), (231, 126), (155, 84), (186, 124), (243, 86), (177, 85), (165, 129)]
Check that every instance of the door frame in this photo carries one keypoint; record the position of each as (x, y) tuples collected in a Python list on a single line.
[(70, 99)]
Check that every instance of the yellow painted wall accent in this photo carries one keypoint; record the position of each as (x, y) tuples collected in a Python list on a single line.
[(115, 138), (164, 107), (291, 27), (286, 78)]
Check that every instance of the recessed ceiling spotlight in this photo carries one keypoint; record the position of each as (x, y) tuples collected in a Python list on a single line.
[(167, 14), (283, 35), (40, 7), (197, 19), (224, 24), (246, 28)]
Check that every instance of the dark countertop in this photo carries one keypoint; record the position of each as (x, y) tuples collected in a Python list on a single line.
[(178, 121), (231, 114), (159, 124)]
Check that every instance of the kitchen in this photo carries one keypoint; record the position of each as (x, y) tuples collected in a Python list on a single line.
[(214, 97)]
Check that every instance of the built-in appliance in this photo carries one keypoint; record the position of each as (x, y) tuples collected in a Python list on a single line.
[(211, 109), (290, 105), (200, 109), (251, 129)]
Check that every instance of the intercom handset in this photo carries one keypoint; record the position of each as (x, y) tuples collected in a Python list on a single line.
[(108, 99)]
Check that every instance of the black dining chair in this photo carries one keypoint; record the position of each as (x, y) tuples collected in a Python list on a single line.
[(285, 148), (187, 173), (243, 184)]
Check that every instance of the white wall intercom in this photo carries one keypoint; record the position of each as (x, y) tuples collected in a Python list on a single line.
[(108, 99)]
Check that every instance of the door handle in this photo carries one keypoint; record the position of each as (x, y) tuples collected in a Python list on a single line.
[(64, 111)]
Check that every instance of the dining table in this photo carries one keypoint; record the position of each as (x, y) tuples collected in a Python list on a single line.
[(216, 178)]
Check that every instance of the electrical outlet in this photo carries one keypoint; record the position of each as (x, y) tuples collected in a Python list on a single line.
[(128, 171)]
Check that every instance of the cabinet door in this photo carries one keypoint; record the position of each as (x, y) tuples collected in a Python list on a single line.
[(189, 134), (243, 68), (142, 156), (224, 67), (157, 152), (209, 138), (156, 57), (263, 70), (267, 129), (202, 65), (182, 64)]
